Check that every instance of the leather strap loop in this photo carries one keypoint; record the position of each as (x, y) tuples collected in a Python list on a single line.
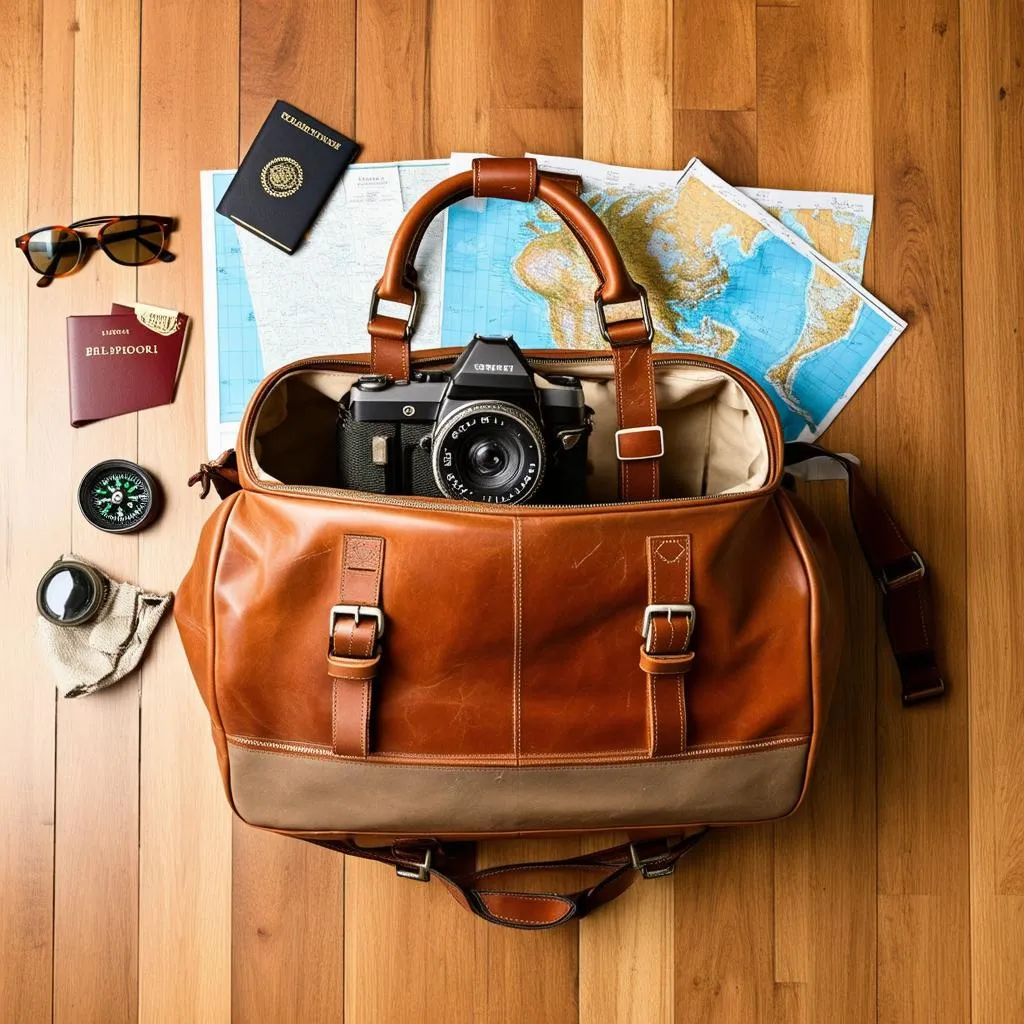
[(665, 655), (900, 574), (615, 870), (504, 178), (352, 655)]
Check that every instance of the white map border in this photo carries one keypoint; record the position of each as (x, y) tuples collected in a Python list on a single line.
[(897, 325)]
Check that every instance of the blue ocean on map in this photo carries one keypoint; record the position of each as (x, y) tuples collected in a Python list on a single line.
[(764, 302), (480, 247)]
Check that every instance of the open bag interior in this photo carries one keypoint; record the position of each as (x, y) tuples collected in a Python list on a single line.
[(715, 442)]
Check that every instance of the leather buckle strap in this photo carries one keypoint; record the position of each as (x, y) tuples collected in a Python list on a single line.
[(898, 574), (655, 865), (899, 571), (667, 628), (668, 610), (608, 332), (417, 872), (410, 323), (358, 612), (356, 625)]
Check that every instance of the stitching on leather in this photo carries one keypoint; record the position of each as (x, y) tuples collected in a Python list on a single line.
[(921, 612), (517, 607), (533, 178), (334, 715), (682, 714), (519, 896), (705, 752), (365, 721)]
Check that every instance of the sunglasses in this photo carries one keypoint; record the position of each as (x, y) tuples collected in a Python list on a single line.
[(131, 241)]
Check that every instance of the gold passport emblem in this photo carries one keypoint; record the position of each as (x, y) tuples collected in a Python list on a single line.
[(281, 177)]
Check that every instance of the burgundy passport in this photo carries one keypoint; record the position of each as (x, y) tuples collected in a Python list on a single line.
[(125, 361)]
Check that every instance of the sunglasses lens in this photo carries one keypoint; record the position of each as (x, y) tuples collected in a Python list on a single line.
[(133, 240), (54, 251)]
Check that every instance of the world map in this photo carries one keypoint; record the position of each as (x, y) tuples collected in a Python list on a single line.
[(724, 278)]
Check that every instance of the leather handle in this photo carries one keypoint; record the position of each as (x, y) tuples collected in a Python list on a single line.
[(630, 339), (453, 864)]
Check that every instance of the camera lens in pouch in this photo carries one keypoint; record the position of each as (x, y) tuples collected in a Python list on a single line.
[(92, 630), (71, 593)]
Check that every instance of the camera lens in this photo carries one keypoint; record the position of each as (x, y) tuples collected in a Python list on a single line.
[(70, 593), (488, 452)]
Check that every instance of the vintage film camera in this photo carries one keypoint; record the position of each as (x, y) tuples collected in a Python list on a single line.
[(488, 431)]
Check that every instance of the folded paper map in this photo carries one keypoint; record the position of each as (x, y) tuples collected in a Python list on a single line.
[(724, 277)]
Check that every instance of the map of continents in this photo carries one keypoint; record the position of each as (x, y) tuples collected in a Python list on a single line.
[(719, 282)]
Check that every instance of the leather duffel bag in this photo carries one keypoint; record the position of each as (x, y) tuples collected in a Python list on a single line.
[(398, 677)]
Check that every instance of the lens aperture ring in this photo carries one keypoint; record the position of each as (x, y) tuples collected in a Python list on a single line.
[(488, 451)]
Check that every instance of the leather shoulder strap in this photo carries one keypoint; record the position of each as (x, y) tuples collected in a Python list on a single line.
[(900, 573)]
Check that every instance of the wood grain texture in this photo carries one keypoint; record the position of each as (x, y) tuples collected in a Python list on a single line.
[(726, 140), (189, 111), (97, 794), (27, 534), (815, 126), (992, 139), (897, 892), (923, 847), (705, 32)]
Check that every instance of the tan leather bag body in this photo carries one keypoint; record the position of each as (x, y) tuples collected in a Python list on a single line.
[(432, 672)]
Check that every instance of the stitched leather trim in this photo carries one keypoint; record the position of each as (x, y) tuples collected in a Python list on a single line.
[(385, 758)]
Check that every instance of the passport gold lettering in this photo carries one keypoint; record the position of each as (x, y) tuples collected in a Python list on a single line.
[(309, 130), (120, 350)]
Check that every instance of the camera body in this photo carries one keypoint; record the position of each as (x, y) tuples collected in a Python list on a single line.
[(486, 431)]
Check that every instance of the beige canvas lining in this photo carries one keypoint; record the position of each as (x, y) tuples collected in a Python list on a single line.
[(714, 440), (283, 791)]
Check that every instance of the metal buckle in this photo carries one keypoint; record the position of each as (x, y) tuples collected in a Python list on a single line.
[(645, 311), (357, 611), (888, 583), (643, 864), (668, 610), (638, 430), (417, 872), (410, 323)]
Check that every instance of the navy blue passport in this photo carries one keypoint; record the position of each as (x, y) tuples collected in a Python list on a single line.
[(286, 176)]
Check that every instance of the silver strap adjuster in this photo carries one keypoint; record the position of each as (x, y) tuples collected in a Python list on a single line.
[(667, 610), (357, 612), (417, 872), (410, 323), (887, 582)]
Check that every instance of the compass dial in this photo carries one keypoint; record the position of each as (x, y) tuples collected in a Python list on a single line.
[(117, 496)]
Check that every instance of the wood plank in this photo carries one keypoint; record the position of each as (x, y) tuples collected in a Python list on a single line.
[(96, 854), (189, 111), (286, 951), (626, 949), (705, 32), (287, 896), (923, 813), (627, 82), (458, 99), (29, 531), (815, 131), (301, 53), (992, 138), (726, 140), (391, 79)]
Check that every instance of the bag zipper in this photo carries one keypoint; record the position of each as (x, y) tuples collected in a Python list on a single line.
[(344, 496)]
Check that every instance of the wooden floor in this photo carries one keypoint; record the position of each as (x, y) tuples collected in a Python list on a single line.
[(897, 892)]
